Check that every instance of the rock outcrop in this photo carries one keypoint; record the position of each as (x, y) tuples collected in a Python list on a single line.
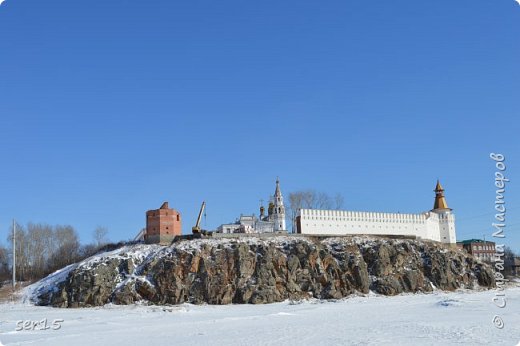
[(258, 271)]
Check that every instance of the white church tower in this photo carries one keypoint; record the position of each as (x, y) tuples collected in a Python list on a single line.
[(278, 215), (446, 217)]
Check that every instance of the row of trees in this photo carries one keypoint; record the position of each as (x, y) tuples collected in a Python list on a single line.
[(42, 249)]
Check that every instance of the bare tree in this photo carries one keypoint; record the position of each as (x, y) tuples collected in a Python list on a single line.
[(39, 247), (509, 261), (88, 250), (68, 247), (338, 201), (310, 199), (323, 201), (42, 249), (34, 246), (295, 203), (5, 272), (100, 236)]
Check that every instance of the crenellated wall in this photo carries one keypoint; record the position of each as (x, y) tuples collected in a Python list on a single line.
[(428, 225)]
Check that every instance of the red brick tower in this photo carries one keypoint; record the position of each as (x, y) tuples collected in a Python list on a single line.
[(162, 225)]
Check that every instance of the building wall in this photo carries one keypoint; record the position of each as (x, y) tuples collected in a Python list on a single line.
[(446, 227), (482, 250), (279, 222), (253, 223), (431, 228), (162, 225), (228, 228), (264, 227), (339, 222)]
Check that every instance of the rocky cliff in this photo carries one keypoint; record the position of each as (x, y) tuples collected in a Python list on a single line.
[(259, 271)]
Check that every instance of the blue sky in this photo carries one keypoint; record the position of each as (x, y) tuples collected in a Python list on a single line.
[(109, 108)]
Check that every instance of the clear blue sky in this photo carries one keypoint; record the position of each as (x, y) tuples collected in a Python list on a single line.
[(109, 108)]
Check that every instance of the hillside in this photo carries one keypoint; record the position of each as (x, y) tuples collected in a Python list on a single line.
[(258, 271)]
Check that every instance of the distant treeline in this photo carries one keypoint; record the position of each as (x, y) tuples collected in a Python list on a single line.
[(42, 249)]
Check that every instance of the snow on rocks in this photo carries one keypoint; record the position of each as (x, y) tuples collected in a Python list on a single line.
[(255, 270)]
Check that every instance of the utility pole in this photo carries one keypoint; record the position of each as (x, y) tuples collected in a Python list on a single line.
[(14, 255)]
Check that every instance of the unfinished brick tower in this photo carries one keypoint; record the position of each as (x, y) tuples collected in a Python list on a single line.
[(162, 225)]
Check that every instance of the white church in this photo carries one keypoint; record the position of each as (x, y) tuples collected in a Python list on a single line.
[(273, 222), (437, 224)]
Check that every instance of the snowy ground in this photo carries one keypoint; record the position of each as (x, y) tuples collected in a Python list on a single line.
[(424, 319)]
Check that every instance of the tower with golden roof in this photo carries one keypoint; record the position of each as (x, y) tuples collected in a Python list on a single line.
[(440, 199), (445, 215)]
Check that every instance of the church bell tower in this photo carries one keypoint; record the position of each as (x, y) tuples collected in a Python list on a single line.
[(278, 215)]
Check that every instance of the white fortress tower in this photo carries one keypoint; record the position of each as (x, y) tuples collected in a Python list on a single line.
[(438, 224), (446, 217), (278, 215)]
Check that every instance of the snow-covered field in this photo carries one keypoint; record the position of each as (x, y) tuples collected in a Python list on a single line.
[(423, 319)]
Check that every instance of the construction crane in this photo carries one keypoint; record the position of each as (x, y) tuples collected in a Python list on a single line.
[(198, 233), (196, 229)]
